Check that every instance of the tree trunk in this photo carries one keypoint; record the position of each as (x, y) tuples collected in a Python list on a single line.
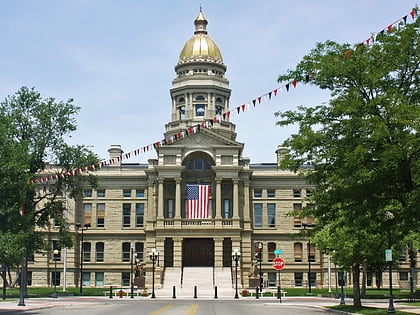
[(364, 280), (357, 302)]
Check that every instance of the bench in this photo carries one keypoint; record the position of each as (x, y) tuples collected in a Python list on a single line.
[(125, 292)]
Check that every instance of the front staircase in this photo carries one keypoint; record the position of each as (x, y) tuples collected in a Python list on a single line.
[(204, 278)]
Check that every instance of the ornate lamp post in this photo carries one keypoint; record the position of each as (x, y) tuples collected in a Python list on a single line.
[(309, 260), (259, 257), (236, 255), (55, 252), (85, 227), (154, 255), (390, 216)]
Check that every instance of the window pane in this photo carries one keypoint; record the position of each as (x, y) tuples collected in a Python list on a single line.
[(298, 252), (127, 193), (139, 214), (258, 215), (140, 193), (100, 251), (271, 214), (101, 193), (257, 193), (139, 248), (99, 279), (126, 214), (125, 251), (87, 193), (86, 251), (87, 211), (298, 279), (86, 279), (271, 248), (125, 279), (100, 212)]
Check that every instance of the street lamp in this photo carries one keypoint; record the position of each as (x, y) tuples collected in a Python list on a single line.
[(259, 257), (390, 216), (85, 227), (154, 255), (309, 260), (236, 255), (131, 274), (55, 252)]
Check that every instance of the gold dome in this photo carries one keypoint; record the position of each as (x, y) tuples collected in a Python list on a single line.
[(200, 47)]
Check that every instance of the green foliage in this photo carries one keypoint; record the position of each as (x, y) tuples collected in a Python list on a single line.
[(32, 140), (363, 146)]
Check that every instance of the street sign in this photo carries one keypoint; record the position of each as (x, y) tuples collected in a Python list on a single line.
[(278, 263), (388, 254), (278, 252)]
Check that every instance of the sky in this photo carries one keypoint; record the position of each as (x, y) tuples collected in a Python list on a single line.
[(116, 59)]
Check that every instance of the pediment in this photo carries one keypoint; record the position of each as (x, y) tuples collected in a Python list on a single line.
[(207, 138)]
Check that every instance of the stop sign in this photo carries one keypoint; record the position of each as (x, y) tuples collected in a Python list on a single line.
[(278, 263)]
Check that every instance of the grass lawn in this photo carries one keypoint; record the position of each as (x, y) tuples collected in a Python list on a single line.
[(364, 310)]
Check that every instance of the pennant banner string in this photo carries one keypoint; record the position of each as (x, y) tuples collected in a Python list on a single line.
[(209, 123)]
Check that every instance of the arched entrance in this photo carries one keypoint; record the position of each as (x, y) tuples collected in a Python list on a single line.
[(198, 252)]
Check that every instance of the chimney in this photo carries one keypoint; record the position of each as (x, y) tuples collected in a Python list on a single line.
[(115, 152), (281, 152)]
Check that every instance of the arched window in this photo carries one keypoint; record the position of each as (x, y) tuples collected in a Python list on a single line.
[(219, 109), (200, 98), (271, 247)]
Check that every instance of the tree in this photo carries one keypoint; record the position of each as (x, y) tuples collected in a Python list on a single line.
[(363, 146), (32, 141)]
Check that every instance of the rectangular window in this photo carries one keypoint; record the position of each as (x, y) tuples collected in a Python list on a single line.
[(226, 209), (126, 214), (297, 193), (86, 251), (139, 214), (55, 278), (312, 276), (271, 247), (272, 279), (100, 215), (87, 213), (297, 207), (125, 252), (258, 215), (100, 248), (271, 214), (271, 193), (126, 193), (311, 253), (298, 279), (100, 193), (87, 193), (99, 279), (298, 252), (257, 193), (140, 193), (139, 248), (308, 192), (403, 276), (86, 279), (125, 279)]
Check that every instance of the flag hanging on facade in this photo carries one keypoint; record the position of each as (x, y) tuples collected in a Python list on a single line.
[(197, 201)]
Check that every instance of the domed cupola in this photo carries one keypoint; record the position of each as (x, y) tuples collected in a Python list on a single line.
[(200, 90), (200, 47)]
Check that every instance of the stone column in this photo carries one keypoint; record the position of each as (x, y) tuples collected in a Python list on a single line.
[(246, 210), (218, 252), (235, 216), (218, 202), (178, 200)]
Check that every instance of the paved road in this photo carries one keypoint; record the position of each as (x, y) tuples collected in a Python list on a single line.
[(173, 307)]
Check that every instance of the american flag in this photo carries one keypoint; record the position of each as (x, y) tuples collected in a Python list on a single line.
[(197, 201)]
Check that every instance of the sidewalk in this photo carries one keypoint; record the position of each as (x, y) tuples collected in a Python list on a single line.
[(319, 302)]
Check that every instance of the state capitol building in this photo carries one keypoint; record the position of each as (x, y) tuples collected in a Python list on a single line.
[(193, 205)]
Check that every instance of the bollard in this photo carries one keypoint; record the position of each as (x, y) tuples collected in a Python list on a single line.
[(195, 292), (173, 292), (215, 292), (110, 292), (257, 296), (279, 293)]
